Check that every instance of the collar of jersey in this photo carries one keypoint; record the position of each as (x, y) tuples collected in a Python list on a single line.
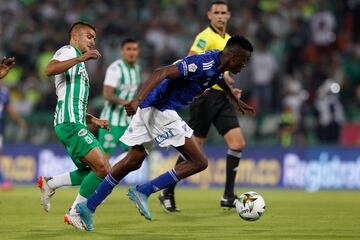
[(77, 50), (128, 65), (214, 30)]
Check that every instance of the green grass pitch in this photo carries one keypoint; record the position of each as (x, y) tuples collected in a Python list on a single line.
[(290, 214)]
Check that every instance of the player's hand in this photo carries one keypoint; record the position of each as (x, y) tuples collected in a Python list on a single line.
[(5, 66), (91, 54), (131, 107), (245, 109), (236, 92), (124, 102), (100, 123)]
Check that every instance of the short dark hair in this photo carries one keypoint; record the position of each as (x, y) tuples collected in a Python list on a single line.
[(239, 41), (82, 24), (128, 40), (218, 2)]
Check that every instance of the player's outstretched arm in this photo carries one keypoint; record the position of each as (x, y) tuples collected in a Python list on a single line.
[(100, 123), (235, 95), (5, 65), (56, 67), (109, 94), (159, 75), (14, 115)]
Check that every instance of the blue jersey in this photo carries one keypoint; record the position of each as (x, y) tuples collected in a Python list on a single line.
[(197, 73), (4, 101)]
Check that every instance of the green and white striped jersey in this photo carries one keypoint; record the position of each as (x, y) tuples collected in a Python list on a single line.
[(72, 89), (126, 80)]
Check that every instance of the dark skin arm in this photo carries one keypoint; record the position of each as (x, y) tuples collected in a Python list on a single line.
[(235, 95), (155, 79)]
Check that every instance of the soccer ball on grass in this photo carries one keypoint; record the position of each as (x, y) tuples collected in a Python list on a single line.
[(250, 206)]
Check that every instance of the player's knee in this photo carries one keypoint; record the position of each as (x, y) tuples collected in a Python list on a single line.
[(101, 170), (202, 165), (238, 145)]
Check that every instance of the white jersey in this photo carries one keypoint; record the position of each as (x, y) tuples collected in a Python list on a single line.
[(126, 81), (72, 89)]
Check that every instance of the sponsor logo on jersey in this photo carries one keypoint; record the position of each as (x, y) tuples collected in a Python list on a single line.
[(162, 137), (201, 44), (82, 72), (88, 139), (108, 137)]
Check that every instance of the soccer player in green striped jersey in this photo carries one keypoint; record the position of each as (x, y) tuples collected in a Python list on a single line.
[(121, 83), (68, 70)]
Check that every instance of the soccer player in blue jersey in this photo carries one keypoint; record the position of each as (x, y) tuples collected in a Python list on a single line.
[(5, 66), (155, 121)]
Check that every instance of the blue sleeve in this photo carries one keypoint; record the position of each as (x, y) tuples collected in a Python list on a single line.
[(7, 100), (4, 97), (190, 67)]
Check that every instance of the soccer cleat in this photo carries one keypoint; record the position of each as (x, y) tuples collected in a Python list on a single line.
[(167, 201), (86, 215), (228, 202), (141, 202), (6, 186), (74, 220), (46, 192)]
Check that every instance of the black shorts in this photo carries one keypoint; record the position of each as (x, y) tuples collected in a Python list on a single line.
[(212, 107)]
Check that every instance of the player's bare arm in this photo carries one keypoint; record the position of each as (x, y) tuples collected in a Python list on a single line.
[(109, 94), (235, 95), (6, 65), (56, 67), (14, 115), (229, 80), (100, 123), (159, 75)]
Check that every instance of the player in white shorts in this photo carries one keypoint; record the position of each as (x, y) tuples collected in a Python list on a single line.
[(155, 121)]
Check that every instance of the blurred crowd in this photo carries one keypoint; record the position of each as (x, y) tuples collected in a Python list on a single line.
[(304, 76)]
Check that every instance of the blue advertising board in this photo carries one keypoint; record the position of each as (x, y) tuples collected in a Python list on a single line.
[(310, 168)]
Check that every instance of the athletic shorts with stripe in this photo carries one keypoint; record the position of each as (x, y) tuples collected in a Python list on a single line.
[(150, 126)]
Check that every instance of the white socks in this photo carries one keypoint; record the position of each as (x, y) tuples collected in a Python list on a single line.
[(59, 181), (78, 199)]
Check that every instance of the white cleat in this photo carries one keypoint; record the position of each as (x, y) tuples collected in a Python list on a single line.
[(74, 220), (46, 193)]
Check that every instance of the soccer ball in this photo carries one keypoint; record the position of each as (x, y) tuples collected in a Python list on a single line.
[(250, 206)]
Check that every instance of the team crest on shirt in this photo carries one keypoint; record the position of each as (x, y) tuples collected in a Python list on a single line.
[(82, 132), (192, 67), (58, 53)]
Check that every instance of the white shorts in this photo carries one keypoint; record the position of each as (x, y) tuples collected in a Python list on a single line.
[(149, 126)]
